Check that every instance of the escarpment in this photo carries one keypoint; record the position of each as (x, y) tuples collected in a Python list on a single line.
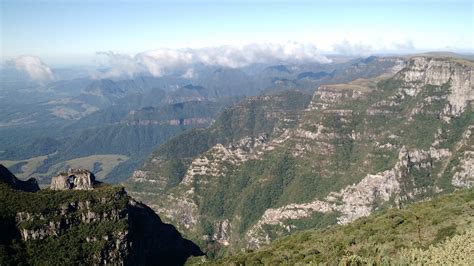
[(79, 221), (437, 72), (352, 149)]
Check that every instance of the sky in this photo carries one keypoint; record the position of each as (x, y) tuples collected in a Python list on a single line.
[(63, 32)]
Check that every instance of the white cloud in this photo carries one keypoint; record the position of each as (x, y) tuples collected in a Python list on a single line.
[(407, 45), (347, 48), (162, 61), (121, 65), (366, 47), (34, 67)]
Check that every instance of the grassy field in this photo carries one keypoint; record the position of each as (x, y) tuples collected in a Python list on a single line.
[(27, 168), (100, 165), (104, 163)]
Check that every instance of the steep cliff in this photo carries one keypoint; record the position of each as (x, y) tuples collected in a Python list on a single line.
[(94, 226), (354, 149)]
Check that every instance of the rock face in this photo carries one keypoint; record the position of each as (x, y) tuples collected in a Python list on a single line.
[(31, 185), (210, 163), (145, 240), (436, 71), (79, 179)]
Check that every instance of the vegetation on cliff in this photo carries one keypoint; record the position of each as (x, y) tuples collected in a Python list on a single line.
[(438, 231), (96, 226)]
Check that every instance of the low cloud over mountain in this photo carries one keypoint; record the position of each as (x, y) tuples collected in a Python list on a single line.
[(161, 61), (361, 48), (34, 67), (165, 61)]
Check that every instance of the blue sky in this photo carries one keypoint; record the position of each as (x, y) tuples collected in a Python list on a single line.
[(73, 31)]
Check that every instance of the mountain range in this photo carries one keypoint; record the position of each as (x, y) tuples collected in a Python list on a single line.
[(81, 122), (265, 164)]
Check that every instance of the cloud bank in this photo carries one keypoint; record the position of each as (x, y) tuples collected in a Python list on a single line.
[(34, 67), (162, 61), (359, 48), (183, 62), (347, 48)]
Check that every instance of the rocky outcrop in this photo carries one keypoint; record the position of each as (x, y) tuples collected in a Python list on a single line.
[(464, 170), (182, 208), (438, 71), (30, 185), (328, 95), (465, 176), (79, 179), (222, 234), (211, 163)]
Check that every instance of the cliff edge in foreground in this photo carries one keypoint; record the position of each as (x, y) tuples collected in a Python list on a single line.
[(100, 225)]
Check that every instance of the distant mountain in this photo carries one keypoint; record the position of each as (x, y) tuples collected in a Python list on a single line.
[(225, 82), (105, 87), (72, 120), (278, 68), (190, 93), (102, 93), (313, 75), (113, 131), (199, 113)]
